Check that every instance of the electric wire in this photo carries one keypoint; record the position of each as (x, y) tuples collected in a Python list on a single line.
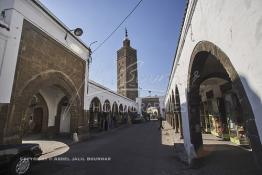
[(109, 36)]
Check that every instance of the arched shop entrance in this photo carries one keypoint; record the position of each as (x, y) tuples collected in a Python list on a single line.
[(217, 101), (62, 121), (35, 120), (125, 116), (130, 114), (35, 109), (95, 120), (121, 114), (168, 112), (174, 117), (106, 115), (114, 115), (48, 114), (177, 112)]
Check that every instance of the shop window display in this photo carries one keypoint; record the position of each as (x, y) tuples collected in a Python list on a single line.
[(214, 118), (236, 126)]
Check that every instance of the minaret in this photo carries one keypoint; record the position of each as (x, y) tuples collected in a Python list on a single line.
[(127, 82)]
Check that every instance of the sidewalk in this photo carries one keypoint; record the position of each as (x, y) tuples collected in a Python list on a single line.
[(58, 146), (217, 157), (169, 137)]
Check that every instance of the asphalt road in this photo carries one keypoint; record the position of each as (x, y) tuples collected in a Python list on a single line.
[(134, 150)]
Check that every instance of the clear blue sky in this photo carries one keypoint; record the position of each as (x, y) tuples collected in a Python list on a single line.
[(153, 30)]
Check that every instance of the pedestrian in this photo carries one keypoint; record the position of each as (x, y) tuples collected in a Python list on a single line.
[(160, 123)]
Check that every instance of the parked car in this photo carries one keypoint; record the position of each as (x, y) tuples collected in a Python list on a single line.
[(16, 159)]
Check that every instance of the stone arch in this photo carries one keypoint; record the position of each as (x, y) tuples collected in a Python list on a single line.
[(95, 104), (114, 107), (170, 104), (21, 98), (172, 100), (107, 106), (129, 108), (169, 118), (43, 105), (115, 114), (106, 116), (177, 108), (177, 100), (173, 114), (38, 110), (62, 108), (121, 113), (95, 110), (203, 52), (121, 108), (125, 108)]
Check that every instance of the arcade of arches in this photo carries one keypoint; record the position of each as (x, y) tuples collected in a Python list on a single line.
[(106, 116), (216, 99), (173, 113)]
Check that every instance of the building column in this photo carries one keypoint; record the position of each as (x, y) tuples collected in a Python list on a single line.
[(180, 125), (84, 130), (173, 121), (176, 123), (3, 116)]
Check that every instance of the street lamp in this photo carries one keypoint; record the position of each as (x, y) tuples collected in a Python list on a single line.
[(92, 43), (77, 32), (90, 52)]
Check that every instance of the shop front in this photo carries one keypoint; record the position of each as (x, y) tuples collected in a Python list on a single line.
[(221, 113), (237, 130)]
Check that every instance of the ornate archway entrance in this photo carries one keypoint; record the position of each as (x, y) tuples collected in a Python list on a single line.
[(210, 67), (95, 120), (42, 84)]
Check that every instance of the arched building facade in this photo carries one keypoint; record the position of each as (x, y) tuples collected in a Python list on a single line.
[(109, 108), (44, 81), (213, 85)]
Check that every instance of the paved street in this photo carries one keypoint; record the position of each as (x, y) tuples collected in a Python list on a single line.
[(133, 150), (141, 150)]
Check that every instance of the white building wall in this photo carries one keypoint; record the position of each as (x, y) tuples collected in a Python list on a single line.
[(65, 120), (9, 49), (139, 103), (161, 105), (18, 10), (103, 94), (235, 26), (52, 97)]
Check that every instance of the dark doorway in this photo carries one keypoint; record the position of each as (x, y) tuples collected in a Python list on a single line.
[(38, 120)]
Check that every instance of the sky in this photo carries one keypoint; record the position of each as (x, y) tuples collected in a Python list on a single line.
[(153, 29)]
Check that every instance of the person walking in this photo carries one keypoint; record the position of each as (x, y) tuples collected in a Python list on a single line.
[(160, 123)]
